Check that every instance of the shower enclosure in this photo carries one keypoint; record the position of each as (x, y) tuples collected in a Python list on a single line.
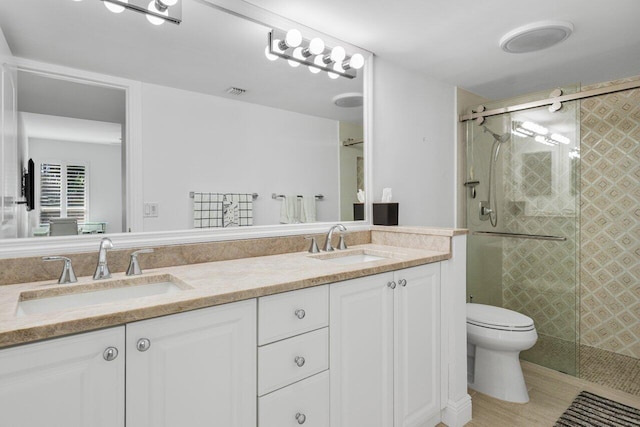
[(523, 217)]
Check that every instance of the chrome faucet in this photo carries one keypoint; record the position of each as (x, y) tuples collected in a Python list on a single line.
[(102, 270), (327, 244)]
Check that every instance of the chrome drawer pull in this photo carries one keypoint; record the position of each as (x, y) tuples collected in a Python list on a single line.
[(143, 344), (392, 284), (402, 282), (110, 354), (301, 418), (299, 361), (300, 313)]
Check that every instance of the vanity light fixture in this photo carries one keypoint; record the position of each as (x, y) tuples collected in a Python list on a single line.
[(312, 53), (156, 11)]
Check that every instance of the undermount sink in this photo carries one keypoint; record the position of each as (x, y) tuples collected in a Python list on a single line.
[(346, 258), (62, 298)]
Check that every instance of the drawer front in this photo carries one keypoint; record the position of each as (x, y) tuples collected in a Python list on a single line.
[(292, 313), (303, 403), (288, 361)]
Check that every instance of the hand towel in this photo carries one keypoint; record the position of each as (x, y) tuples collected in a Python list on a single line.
[(308, 208), (207, 210), (290, 210), (238, 210)]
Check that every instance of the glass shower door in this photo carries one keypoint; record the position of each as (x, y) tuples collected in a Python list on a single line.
[(523, 222)]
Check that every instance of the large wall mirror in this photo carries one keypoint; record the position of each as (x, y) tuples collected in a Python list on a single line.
[(216, 121)]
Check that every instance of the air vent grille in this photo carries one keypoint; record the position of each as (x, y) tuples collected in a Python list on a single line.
[(236, 91)]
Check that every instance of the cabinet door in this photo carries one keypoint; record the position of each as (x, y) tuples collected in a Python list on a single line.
[(417, 346), (361, 352), (64, 382), (198, 369)]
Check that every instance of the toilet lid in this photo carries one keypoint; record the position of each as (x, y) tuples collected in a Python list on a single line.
[(497, 318)]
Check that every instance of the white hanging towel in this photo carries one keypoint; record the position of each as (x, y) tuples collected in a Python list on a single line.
[(290, 210), (308, 208)]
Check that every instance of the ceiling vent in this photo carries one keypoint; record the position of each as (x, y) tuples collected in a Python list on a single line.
[(348, 100), (536, 36), (236, 91)]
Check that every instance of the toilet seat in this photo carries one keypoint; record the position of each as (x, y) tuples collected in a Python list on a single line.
[(487, 316)]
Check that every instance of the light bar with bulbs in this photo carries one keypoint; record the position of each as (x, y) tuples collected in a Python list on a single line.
[(312, 53), (157, 11)]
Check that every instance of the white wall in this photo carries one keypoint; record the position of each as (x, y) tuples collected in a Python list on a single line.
[(227, 146), (104, 174), (4, 47), (414, 144)]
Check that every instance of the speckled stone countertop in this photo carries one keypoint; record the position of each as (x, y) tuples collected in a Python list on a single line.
[(204, 285)]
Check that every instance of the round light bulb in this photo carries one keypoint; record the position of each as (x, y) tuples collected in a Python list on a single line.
[(338, 67), (270, 56), (316, 46), (297, 53), (276, 46), (293, 38), (169, 3), (293, 63), (333, 75), (314, 70), (338, 54), (356, 62), (154, 19), (115, 8)]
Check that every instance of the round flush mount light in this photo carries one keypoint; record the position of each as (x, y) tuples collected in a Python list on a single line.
[(536, 36), (348, 100)]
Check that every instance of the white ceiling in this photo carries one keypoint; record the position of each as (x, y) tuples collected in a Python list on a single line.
[(453, 41), (57, 128), (456, 41)]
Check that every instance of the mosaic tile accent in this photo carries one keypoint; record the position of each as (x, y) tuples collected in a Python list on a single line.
[(610, 222)]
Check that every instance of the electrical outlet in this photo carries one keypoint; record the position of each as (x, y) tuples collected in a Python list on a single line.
[(150, 210)]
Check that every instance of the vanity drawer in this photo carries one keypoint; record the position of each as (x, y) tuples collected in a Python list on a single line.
[(292, 313), (305, 402), (288, 361)]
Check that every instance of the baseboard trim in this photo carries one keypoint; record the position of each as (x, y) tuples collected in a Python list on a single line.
[(457, 413)]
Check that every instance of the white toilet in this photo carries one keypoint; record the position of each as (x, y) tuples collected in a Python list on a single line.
[(495, 338)]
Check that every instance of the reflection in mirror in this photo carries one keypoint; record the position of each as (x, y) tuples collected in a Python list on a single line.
[(218, 121)]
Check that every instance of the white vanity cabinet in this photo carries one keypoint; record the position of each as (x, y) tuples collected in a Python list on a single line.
[(74, 381), (193, 369), (385, 349), (293, 358)]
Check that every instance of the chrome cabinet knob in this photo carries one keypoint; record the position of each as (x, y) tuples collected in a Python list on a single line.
[(143, 344), (110, 354), (300, 313), (392, 284), (402, 282), (301, 418), (299, 361)]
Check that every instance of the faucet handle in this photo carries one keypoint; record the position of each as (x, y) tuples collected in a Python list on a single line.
[(134, 266), (67, 275), (313, 249), (341, 243)]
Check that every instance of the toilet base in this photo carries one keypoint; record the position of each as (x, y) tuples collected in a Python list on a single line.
[(499, 374)]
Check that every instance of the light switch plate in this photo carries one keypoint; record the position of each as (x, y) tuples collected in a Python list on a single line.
[(150, 210)]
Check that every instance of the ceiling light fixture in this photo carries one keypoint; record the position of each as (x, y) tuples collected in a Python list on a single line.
[(536, 36), (312, 53), (156, 11)]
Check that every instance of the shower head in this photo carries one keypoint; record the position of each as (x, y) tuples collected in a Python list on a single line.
[(499, 138)]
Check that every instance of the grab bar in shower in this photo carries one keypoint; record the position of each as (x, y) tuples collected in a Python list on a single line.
[(519, 235)]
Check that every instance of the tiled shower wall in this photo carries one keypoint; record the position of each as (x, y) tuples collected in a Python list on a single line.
[(610, 222)]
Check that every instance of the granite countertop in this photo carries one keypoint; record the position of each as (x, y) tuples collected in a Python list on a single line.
[(204, 285)]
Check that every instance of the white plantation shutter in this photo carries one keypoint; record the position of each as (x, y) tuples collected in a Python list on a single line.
[(76, 192), (63, 192)]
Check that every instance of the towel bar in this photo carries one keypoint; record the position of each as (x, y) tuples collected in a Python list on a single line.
[(280, 196), (192, 195)]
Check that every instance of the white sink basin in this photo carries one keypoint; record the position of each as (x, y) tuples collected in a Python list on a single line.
[(352, 257), (50, 300)]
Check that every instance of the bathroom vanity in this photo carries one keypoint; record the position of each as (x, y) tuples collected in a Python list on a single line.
[(373, 335)]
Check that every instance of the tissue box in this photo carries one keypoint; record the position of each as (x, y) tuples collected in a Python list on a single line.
[(358, 211), (385, 214)]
